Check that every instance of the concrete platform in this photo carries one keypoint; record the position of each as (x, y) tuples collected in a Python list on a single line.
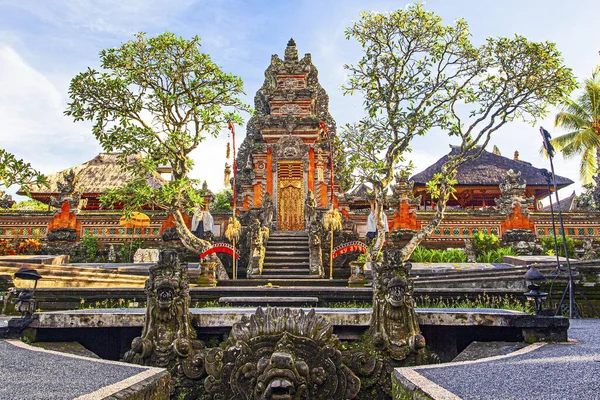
[(28, 372), (539, 371)]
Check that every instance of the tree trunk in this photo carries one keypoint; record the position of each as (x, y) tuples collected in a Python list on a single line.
[(197, 245)]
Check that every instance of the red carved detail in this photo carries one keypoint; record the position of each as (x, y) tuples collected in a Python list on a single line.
[(404, 218), (65, 219), (517, 220), (170, 222)]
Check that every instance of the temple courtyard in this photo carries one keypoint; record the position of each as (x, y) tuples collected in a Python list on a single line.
[(299, 200)]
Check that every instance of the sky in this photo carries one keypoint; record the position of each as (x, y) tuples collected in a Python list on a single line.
[(45, 43)]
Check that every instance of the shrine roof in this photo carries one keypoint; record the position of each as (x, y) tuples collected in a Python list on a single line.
[(95, 177), (489, 170), (566, 204)]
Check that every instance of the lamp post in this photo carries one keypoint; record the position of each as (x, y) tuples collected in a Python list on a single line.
[(534, 277), (25, 299)]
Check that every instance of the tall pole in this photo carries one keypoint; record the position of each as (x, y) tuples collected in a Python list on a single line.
[(233, 263), (331, 181), (548, 177), (550, 151)]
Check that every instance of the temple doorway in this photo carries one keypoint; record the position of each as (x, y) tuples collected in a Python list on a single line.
[(290, 196)]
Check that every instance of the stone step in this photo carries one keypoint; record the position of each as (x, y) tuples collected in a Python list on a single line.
[(283, 261), (288, 242), (286, 264), (272, 301), (288, 233), (287, 247), (287, 255), (276, 281), (290, 277), (284, 271)]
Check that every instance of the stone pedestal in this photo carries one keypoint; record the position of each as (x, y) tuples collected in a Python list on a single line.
[(207, 274), (357, 276), (523, 242)]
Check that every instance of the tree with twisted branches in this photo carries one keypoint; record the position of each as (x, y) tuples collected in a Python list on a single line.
[(154, 101), (418, 75)]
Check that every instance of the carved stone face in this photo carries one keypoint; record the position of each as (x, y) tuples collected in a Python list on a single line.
[(166, 286), (397, 290), (281, 377), (282, 355)]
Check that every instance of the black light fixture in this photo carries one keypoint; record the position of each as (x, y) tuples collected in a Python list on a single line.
[(25, 300), (534, 277)]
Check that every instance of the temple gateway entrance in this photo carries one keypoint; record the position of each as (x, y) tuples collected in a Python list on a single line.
[(290, 196)]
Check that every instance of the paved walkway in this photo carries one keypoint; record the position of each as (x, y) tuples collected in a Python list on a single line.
[(32, 373), (551, 371)]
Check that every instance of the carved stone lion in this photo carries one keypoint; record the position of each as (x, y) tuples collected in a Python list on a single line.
[(280, 354)]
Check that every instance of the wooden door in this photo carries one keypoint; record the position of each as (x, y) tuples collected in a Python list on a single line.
[(290, 196)]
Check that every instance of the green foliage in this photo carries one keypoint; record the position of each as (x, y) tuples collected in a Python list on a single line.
[(548, 246), (422, 254), (32, 205), (481, 301), (17, 172), (362, 258), (581, 118), (418, 74), (109, 303), (87, 249), (127, 250), (495, 256), (222, 201), (154, 101), (485, 243)]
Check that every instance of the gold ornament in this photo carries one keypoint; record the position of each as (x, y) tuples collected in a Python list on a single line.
[(228, 151), (227, 176), (233, 229), (332, 220)]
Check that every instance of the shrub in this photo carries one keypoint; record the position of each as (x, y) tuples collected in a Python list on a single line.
[(29, 246), (362, 258), (485, 243), (87, 249), (6, 248), (127, 250), (421, 254), (548, 246), (495, 256)]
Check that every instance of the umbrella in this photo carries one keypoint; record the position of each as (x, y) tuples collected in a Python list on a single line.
[(137, 220)]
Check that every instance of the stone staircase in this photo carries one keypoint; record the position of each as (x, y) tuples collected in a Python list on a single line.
[(287, 256)]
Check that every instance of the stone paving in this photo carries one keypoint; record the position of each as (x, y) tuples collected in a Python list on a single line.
[(30, 373), (551, 371)]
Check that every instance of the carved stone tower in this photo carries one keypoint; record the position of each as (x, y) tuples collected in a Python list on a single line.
[(285, 153)]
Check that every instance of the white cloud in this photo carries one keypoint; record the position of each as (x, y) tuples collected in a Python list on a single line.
[(32, 124), (107, 16)]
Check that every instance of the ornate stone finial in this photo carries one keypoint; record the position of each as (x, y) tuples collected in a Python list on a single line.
[(512, 192), (66, 191), (516, 157), (496, 151), (6, 200), (403, 189), (204, 185), (291, 52)]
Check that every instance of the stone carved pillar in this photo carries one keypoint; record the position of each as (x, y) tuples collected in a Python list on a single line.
[(514, 203)]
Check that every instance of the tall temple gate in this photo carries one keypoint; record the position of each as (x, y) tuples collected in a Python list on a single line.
[(285, 153)]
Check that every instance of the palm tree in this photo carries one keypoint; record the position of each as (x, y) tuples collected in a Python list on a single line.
[(582, 118)]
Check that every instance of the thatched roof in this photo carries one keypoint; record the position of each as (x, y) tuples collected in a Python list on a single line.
[(95, 177), (567, 204), (488, 170)]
